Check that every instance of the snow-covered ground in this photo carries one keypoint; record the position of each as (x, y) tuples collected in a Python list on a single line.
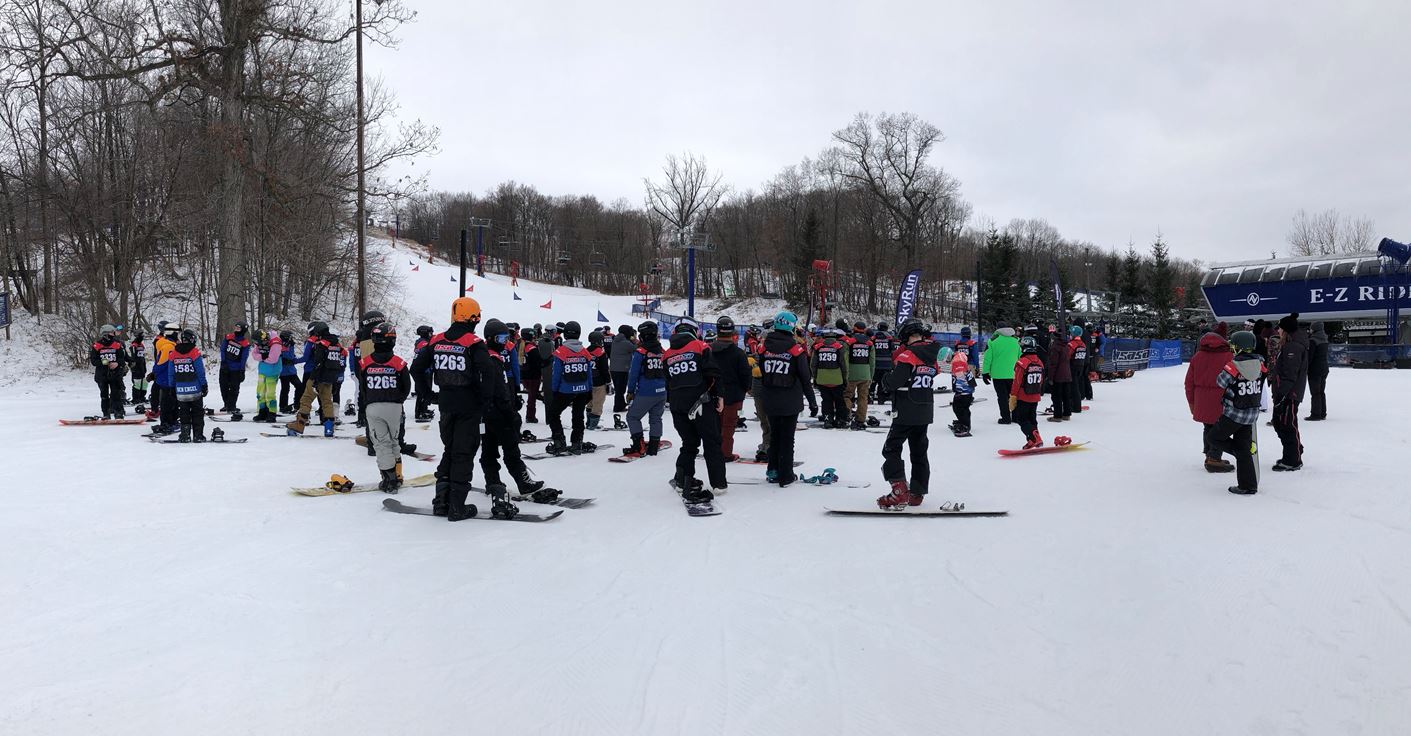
[(151, 589)]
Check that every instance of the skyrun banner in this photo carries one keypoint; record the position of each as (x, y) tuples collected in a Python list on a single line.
[(906, 296)]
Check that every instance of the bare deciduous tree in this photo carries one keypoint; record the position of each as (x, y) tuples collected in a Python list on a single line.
[(1328, 232), (687, 197)]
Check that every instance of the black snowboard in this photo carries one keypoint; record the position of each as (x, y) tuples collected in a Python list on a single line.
[(696, 509), (565, 502), (167, 439), (546, 456), (392, 504)]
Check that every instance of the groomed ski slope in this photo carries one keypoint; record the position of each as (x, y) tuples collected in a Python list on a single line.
[(182, 589)]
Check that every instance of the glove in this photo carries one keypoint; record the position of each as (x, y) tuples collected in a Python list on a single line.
[(150, 377), (986, 379), (518, 402), (1013, 402), (205, 390), (813, 411), (629, 398)]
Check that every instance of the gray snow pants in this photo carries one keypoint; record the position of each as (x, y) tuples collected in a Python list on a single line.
[(384, 421), (641, 406)]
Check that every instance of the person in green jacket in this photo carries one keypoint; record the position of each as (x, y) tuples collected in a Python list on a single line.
[(862, 364), (830, 375), (998, 367)]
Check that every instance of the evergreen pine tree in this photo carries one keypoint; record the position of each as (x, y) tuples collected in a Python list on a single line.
[(1160, 283), (1112, 282), (1130, 286), (999, 294)]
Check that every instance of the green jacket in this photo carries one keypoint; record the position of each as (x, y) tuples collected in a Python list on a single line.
[(861, 357), (1000, 356), (830, 363)]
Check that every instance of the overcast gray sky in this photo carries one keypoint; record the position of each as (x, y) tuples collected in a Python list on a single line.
[(1212, 121)]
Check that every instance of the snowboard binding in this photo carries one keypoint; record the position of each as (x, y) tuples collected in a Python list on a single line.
[(339, 483), (1062, 441), (953, 506), (874, 422), (618, 422), (545, 495), (218, 435), (349, 410), (828, 477), (505, 510), (527, 436)]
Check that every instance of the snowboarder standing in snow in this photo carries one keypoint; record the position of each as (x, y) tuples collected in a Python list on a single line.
[(754, 345), (324, 367), (532, 373), (109, 360), (161, 378), (1290, 381), (598, 349), (571, 386), (1242, 381), (465, 377), (269, 353), (962, 386), (1060, 372), (691, 378), (384, 383), (912, 387), (1318, 373), (882, 348), (288, 373), (785, 380), (862, 362), (234, 354), (830, 375), (1077, 367), (422, 380), (502, 423), (1205, 394), (1001, 353), (137, 362), (1027, 391), (186, 370), (733, 384), (620, 363), (646, 390)]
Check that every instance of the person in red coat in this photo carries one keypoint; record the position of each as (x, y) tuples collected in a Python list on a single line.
[(1204, 394)]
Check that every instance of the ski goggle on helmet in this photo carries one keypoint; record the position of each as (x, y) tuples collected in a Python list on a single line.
[(1243, 341), (786, 321)]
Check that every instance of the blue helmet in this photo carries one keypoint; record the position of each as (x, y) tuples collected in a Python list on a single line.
[(786, 321)]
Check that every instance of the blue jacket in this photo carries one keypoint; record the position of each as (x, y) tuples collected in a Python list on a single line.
[(573, 369), (234, 353), (961, 383), (644, 379), (186, 372)]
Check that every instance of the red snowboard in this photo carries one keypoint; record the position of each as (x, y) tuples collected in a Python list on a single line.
[(665, 445), (1041, 450)]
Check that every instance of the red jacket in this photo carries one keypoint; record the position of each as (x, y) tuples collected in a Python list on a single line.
[(1203, 392)]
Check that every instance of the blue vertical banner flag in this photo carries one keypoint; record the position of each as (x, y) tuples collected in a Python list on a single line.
[(906, 296), (4, 310), (602, 317)]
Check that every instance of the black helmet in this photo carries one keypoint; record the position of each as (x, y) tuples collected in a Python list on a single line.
[(383, 333), (912, 327), (494, 328), (859, 326), (841, 324), (572, 331), (240, 328), (187, 336), (647, 328), (425, 331), (626, 330), (686, 325), (595, 338), (286, 336), (725, 324), (318, 329), (371, 317), (137, 335), (526, 334), (881, 326), (1028, 345)]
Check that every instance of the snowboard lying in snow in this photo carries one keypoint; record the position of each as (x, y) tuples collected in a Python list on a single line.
[(171, 439), (100, 422), (913, 511), (978, 400), (392, 504), (665, 445), (1042, 450), (319, 436), (546, 455), (362, 442), (751, 461), (565, 502), (416, 482)]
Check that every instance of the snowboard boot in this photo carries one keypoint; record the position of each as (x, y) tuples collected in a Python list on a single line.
[(593, 420), (1283, 466), (917, 499), (1218, 466), (328, 428), (525, 484), (653, 445), (636, 448), (740, 423), (439, 505), (857, 426), (771, 476), (198, 437), (1242, 491), (390, 482), (897, 500), (185, 433), (686, 484), (456, 507), (1035, 440), (761, 456), (496, 490), (556, 446), (696, 496), (398, 470), (297, 426)]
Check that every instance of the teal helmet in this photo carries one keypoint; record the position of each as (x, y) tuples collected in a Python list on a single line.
[(786, 321)]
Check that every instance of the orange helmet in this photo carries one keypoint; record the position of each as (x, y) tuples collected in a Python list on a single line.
[(465, 309)]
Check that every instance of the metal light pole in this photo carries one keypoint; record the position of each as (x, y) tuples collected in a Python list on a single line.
[(479, 223), (362, 172)]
